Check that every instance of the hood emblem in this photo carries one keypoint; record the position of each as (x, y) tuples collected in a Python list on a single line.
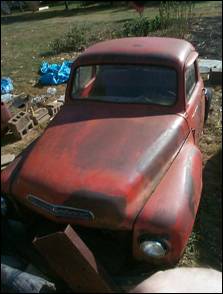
[(60, 210)]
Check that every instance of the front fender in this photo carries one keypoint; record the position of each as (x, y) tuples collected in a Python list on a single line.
[(9, 174), (170, 212)]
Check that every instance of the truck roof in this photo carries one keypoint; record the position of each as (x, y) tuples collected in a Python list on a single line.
[(138, 50)]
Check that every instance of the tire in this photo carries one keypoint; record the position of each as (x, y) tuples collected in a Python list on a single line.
[(208, 98)]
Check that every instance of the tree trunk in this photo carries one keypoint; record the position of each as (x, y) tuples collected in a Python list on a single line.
[(66, 5)]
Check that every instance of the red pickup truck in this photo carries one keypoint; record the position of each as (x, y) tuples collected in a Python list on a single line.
[(122, 154)]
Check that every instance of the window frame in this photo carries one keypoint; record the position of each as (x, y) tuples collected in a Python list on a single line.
[(136, 103), (191, 91)]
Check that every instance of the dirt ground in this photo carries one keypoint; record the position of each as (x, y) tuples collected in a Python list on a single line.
[(206, 36)]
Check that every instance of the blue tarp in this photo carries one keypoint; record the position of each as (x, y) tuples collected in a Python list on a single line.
[(54, 74), (6, 85)]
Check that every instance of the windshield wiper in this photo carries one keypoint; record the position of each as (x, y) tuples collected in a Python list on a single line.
[(116, 99)]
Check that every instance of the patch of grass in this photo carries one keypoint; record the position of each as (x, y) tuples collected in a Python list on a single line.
[(26, 35), (176, 14)]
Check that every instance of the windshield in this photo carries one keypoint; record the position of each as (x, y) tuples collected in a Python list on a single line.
[(126, 84)]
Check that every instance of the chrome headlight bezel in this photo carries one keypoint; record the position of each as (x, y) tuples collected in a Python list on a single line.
[(154, 247)]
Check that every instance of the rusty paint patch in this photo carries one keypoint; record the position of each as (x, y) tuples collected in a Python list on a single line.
[(106, 208)]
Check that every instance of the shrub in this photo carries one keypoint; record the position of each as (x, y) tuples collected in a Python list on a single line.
[(155, 24), (74, 40), (139, 26), (79, 37)]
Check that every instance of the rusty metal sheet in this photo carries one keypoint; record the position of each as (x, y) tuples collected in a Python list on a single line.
[(72, 260)]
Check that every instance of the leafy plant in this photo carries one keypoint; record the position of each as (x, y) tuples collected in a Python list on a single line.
[(73, 40), (79, 37), (139, 26), (155, 24)]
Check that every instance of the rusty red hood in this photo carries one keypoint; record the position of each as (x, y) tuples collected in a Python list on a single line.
[(102, 157)]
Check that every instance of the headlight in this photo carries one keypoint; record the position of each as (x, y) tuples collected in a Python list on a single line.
[(153, 249)]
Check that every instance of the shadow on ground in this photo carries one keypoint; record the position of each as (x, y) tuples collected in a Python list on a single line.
[(209, 219), (8, 138), (51, 13)]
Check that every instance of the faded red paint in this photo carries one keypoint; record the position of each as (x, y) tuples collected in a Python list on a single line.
[(135, 167), (170, 212), (88, 178)]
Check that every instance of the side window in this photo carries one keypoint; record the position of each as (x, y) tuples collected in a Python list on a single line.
[(190, 80), (83, 75)]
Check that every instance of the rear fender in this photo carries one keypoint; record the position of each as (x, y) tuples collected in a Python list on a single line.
[(170, 212)]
